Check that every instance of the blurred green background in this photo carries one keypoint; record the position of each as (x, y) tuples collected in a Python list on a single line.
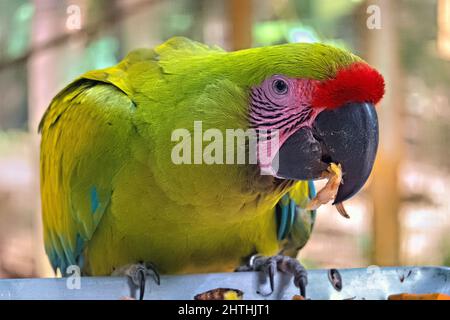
[(402, 217)]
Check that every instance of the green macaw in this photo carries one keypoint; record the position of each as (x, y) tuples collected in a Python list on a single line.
[(113, 197)]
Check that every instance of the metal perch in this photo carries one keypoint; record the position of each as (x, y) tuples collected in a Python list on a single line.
[(365, 283)]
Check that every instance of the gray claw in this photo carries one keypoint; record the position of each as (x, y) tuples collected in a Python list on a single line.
[(138, 273), (270, 265)]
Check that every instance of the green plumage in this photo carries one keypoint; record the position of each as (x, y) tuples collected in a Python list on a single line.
[(111, 194)]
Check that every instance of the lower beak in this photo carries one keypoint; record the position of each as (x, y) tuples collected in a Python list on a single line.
[(347, 135)]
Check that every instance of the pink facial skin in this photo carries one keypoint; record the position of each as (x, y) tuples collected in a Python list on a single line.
[(283, 105)]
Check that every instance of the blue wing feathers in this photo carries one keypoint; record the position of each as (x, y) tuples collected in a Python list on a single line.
[(287, 212)]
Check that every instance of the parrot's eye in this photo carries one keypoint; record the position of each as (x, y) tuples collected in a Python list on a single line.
[(280, 86)]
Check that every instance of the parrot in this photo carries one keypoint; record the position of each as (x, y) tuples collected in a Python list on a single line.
[(114, 201)]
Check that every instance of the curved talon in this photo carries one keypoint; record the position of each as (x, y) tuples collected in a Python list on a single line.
[(302, 288), (150, 266), (141, 283), (271, 270), (138, 273), (270, 265)]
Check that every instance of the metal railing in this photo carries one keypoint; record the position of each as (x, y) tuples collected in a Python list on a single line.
[(366, 283)]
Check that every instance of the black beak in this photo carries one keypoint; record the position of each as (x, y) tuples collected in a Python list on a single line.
[(347, 135)]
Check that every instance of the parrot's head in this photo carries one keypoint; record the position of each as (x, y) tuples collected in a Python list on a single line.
[(321, 101)]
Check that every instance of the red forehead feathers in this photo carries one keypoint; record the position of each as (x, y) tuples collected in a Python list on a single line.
[(356, 83)]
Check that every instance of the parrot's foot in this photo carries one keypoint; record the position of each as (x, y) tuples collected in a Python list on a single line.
[(270, 265), (137, 274)]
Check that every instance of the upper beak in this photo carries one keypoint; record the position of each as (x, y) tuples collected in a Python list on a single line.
[(346, 135)]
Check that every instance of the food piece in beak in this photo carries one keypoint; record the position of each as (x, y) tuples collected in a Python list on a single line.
[(329, 191)]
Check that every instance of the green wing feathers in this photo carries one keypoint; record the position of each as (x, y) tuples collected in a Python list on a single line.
[(85, 138)]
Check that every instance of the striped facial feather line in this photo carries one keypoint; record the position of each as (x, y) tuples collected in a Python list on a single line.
[(257, 108), (305, 117), (280, 113), (259, 97), (263, 116), (258, 121), (280, 122)]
